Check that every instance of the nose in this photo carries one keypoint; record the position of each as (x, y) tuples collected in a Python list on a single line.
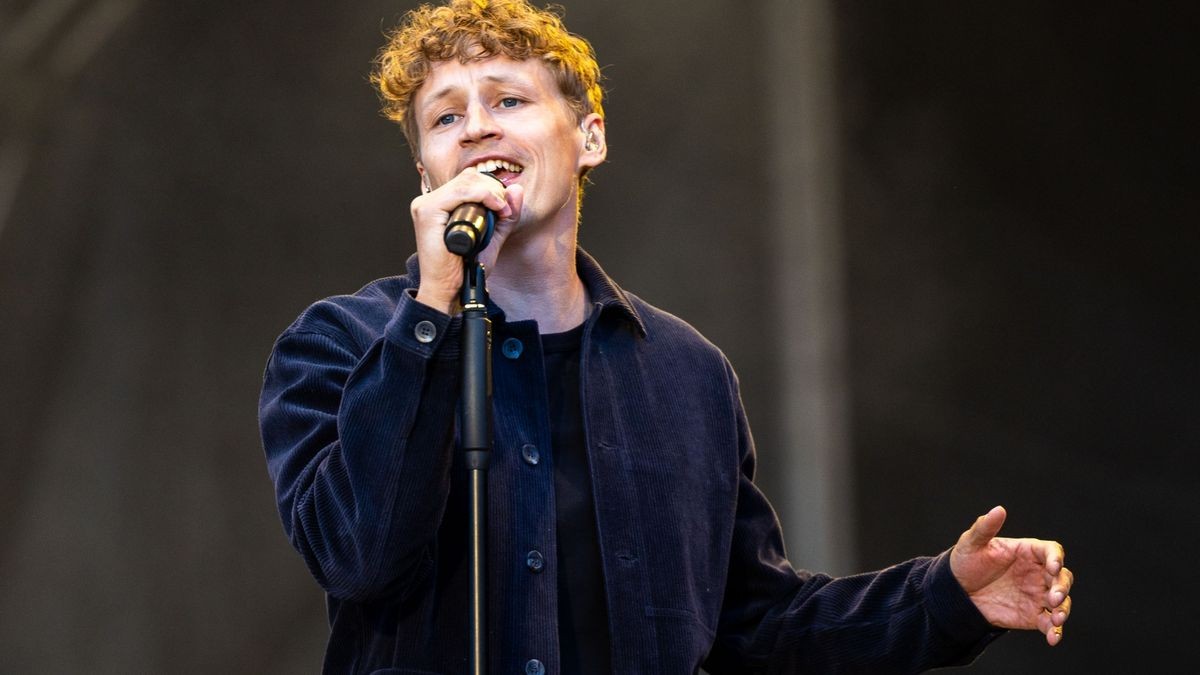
[(479, 125)]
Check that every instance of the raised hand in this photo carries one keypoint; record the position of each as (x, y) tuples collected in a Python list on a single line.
[(1016, 583)]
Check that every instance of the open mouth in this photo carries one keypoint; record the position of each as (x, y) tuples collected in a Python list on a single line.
[(504, 171)]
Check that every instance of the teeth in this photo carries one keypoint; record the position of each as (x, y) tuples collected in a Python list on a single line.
[(492, 165)]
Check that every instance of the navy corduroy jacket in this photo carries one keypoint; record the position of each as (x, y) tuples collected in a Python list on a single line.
[(358, 423)]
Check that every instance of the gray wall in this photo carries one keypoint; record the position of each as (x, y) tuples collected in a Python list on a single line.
[(1017, 211)]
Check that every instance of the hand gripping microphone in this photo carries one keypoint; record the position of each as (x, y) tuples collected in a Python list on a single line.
[(470, 228)]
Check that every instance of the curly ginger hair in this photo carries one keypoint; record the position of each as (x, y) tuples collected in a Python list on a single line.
[(470, 30)]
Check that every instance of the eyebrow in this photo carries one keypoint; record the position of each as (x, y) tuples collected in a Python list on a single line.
[(449, 89)]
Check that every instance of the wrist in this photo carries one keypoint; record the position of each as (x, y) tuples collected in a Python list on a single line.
[(447, 303)]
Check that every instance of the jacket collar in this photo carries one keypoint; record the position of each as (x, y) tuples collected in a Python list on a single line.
[(604, 292)]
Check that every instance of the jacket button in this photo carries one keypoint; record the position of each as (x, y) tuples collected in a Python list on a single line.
[(534, 667), (512, 348), (530, 454), (425, 332), (535, 562)]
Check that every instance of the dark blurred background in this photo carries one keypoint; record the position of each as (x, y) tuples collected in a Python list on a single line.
[(950, 248)]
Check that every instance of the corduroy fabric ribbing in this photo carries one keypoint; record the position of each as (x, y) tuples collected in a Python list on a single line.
[(358, 420)]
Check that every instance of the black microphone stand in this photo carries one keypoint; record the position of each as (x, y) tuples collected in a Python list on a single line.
[(475, 410)]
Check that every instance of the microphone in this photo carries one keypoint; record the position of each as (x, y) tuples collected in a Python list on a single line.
[(470, 228)]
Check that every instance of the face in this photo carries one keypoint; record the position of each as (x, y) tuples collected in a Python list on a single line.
[(508, 118)]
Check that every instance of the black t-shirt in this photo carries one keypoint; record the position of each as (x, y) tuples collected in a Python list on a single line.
[(583, 633)]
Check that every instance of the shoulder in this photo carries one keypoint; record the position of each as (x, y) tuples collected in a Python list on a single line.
[(355, 319), (668, 339), (662, 325)]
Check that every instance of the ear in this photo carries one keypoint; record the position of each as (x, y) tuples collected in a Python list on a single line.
[(425, 187), (595, 147)]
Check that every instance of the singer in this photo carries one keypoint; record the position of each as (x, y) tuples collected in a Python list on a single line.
[(626, 532)]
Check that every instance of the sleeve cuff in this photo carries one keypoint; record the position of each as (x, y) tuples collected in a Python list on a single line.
[(419, 328), (952, 610)]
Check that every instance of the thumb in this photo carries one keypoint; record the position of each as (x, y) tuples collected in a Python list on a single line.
[(983, 530), (514, 196), (506, 221)]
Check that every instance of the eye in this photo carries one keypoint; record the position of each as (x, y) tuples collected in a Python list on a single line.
[(509, 102), (442, 121)]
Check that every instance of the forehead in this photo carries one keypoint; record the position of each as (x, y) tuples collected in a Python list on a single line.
[(454, 78)]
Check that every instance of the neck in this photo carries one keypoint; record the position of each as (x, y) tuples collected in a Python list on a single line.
[(536, 278)]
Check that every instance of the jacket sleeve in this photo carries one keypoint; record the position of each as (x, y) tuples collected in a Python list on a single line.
[(359, 444), (904, 619)]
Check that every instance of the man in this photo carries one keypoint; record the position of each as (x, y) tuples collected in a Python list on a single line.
[(626, 534)]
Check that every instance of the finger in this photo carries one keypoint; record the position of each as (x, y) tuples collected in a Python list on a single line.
[(1050, 624), (504, 210), (1060, 614), (1052, 621), (468, 187), (1051, 555), (514, 196), (506, 220), (493, 198), (984, 529), (1060, 587), (1054, 635), (1045, 622)]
